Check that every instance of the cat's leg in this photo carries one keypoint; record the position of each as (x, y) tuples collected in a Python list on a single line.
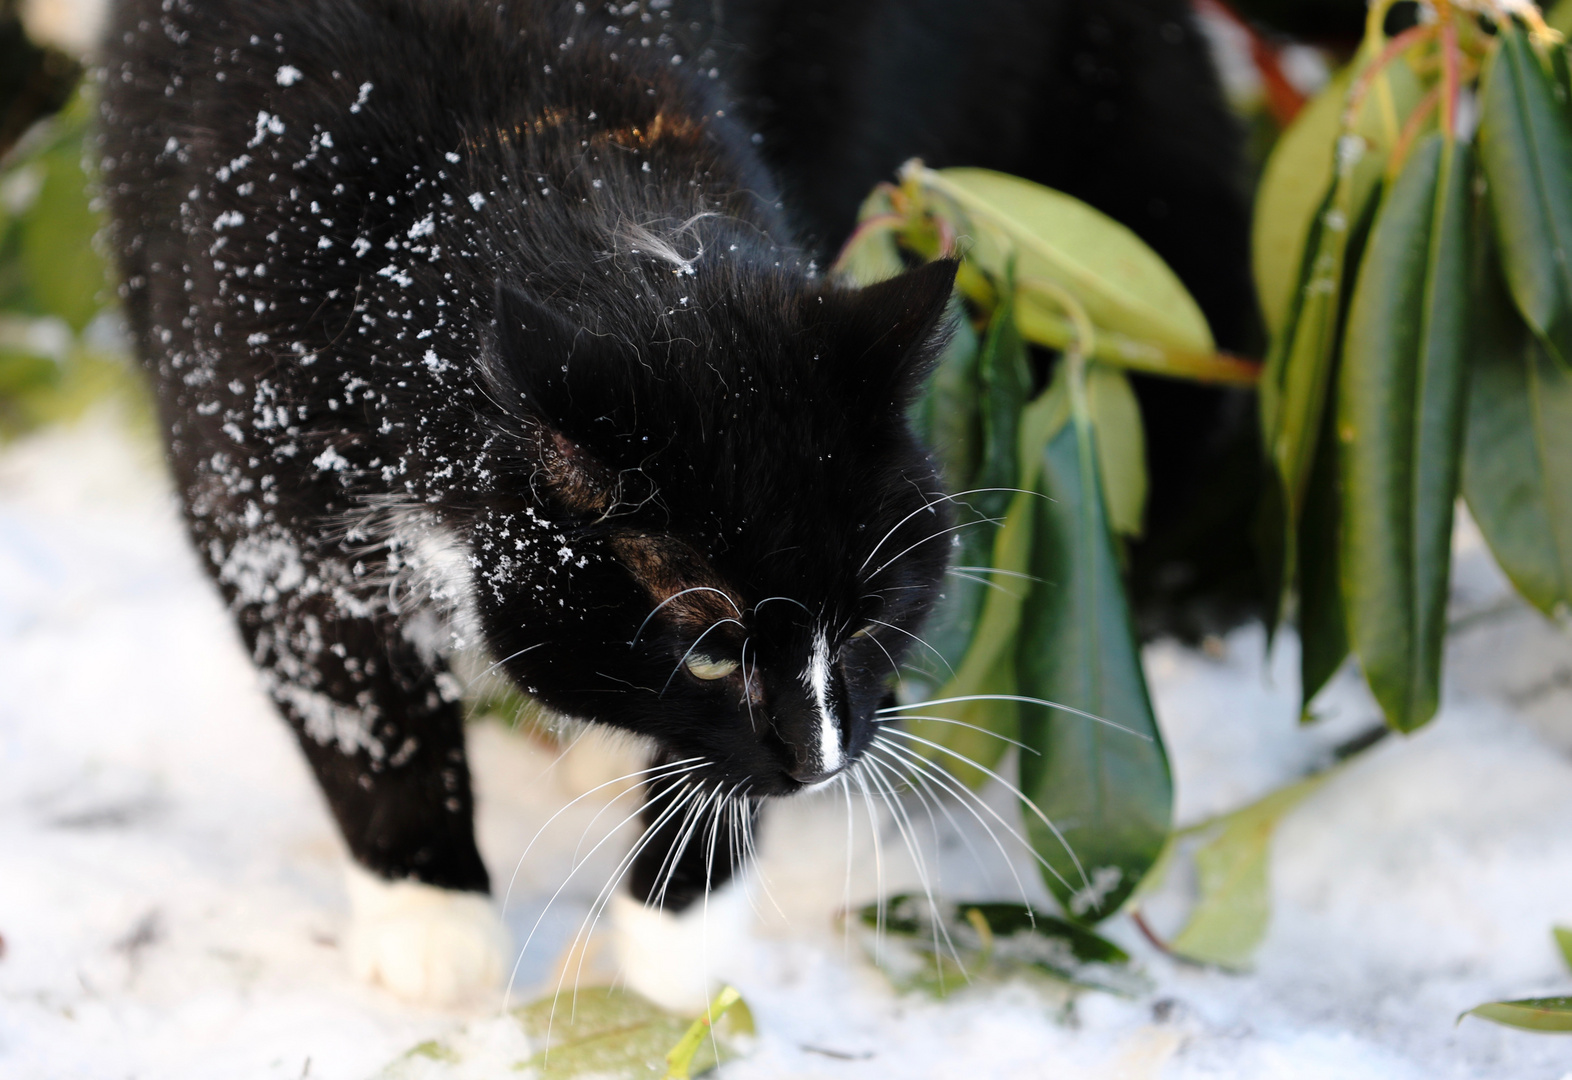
[(684, 918), (381, 727)]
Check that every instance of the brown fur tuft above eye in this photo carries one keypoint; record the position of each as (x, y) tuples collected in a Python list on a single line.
[(677, 578), (573, 476)]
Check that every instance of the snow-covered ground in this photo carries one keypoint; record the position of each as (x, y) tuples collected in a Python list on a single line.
[(171, 900)]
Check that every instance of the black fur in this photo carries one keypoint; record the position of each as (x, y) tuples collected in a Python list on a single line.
[(432, 280), (491, 311)]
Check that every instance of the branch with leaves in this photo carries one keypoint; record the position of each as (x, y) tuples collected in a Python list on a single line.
[(1409, 233)]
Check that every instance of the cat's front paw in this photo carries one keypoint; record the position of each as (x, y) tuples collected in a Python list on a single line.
[(678, 961), (427, 945)]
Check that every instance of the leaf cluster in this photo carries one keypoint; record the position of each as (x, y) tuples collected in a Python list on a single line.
[(1411, 267)]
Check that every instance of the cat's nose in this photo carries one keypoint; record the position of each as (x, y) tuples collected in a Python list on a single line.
[(810, 773), (816, 754)]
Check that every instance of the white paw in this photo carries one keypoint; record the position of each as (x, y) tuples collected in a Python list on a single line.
[(678, 961), (427, 945)]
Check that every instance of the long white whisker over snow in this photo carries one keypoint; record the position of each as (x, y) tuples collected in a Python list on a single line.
[(568, 877), (673, 768), (1011, 788), (948, 782)]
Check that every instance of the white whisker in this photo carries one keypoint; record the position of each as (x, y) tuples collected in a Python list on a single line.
[(960, 723), (1004, 573), (918, 640), (508, 991), (878, 864), (1017, 792), (597, 906), (528, 648), (929, 506), (904, 825), (950, 783), (984, 582), (1023, 699), (933, 536), (674, 596), (717, 623), (685, 765)]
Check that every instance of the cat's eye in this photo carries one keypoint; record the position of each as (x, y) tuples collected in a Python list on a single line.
[(709, 668)]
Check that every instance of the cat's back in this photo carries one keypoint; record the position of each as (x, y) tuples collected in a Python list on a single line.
[(208, 102)]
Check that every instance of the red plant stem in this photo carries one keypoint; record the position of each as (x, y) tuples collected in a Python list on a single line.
[(1148, 933), (1394, 48), (1416, 120), (1450, 60), (1283, 99)]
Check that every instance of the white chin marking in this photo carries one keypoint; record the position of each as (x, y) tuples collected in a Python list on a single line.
[(678, 961), (427, 945)]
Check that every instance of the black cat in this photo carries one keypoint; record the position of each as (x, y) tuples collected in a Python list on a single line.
[(481, 322)]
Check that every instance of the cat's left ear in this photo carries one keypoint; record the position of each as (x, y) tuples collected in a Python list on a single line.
[(540, 358), (891, 334)]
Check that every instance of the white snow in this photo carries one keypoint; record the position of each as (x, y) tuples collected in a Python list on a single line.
[(172, 906)]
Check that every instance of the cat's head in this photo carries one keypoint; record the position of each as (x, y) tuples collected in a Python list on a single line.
[(716, 529)]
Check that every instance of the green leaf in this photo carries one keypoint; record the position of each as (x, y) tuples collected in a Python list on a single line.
[(603, 1032), (941, 949), (1304, 165), (1293, 185), (871, 255), (1323, 628), (1120, 281), (1296, 383), (989, 666), (1563, 936), (64, 273), (1121, 447), (683, 1058), (1400, 422), (1517, 465), (945, 417), (988, 433), (1108, 789), (1560, 17), (594, 1032), (1531, 1014), (1041, 321), (1235, 906), (1525, 146)]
